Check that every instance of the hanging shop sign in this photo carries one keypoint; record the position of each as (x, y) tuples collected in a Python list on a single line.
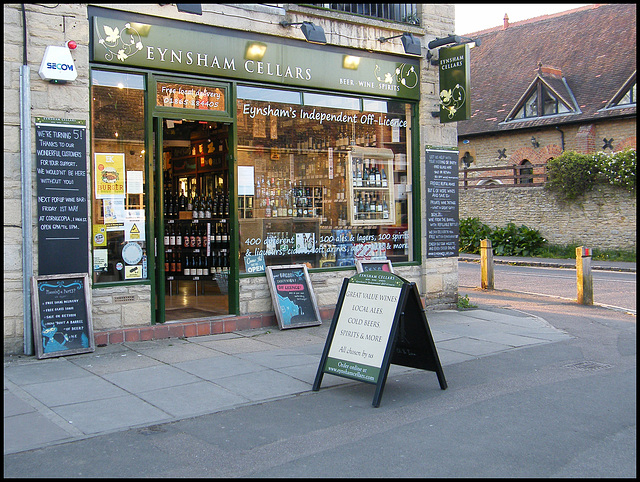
[(454, 69), (443, 223), (378, 320), (134, 40), (61, 179)]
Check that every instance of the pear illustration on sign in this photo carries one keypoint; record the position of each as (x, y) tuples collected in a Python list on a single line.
[(57, 65)]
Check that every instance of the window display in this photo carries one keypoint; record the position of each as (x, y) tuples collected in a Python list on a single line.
[(322, 178), (118, 154)]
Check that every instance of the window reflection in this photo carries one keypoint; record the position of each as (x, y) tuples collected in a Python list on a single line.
[(303, 163), (118, 158)]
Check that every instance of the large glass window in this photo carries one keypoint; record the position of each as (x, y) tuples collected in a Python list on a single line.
[(118, 159), (323, 180)]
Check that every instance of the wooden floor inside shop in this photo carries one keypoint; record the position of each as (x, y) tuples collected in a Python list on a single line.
[(184, 303)]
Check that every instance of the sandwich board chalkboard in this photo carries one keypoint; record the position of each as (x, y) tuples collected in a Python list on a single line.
[(372, 265), (294, 301), (61, 315), (378, 320)]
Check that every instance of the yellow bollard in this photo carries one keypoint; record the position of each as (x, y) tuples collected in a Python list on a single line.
[(486, 264), (583, 275)]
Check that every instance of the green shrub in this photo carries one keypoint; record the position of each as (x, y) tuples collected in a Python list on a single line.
[(507, 241), (516, 241), (618, 169), (572, 174), (472, 231)]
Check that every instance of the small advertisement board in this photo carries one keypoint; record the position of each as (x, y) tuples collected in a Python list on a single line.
[(61, 315), (375, 312), (294, 301)]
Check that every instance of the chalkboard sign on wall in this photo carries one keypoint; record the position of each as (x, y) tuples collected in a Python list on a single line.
[(443, 224), (61, 178), (61, 315), (293, 298)]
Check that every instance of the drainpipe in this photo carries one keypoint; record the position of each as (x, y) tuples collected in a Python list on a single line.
[(25, 176), (561, 137)]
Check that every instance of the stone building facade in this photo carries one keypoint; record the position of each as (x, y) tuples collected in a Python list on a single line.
[(589, 106), (125, 311)]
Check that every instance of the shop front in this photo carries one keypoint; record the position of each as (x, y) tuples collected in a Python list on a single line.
[(216, 153)]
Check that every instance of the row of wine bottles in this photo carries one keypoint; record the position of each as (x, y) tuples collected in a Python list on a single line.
[(367, 173), (185, 264), (201, 207), (197, 235)]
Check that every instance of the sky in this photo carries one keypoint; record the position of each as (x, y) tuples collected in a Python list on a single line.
[(473, 17)]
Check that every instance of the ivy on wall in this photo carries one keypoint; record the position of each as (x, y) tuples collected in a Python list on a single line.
[(573, 174)]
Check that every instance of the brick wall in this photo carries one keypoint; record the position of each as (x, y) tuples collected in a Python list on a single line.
[(604, 218)]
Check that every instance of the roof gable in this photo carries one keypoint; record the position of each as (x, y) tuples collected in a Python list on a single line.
[(595, 50)]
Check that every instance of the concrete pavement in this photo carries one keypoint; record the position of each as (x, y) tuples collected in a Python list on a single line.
[(134, 385)]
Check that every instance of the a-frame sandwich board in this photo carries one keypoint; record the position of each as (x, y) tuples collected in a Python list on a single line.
[(378, 320)]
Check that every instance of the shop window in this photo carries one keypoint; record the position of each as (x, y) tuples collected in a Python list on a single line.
[(118, 178), (322, 182)]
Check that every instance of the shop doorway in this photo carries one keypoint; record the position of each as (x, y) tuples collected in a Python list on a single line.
[(194, 256)]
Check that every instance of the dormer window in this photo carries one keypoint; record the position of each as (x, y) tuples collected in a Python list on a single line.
[(629, 97), (550, 105), (626, 95), (547, 95)]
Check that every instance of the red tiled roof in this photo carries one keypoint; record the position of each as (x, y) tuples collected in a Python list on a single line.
[(594, 47)]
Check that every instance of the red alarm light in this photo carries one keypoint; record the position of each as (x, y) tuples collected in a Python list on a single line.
[(72, 44)]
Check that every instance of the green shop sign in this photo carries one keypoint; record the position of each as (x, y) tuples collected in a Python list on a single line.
[(239, 55), (454, 84)]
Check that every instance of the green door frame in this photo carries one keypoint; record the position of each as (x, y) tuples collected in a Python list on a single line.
[(159, 114)]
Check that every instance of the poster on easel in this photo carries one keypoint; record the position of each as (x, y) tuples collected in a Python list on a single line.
[(294, 301), (61, 315), (379, 320)]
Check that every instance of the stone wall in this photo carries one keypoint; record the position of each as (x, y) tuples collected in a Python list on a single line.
[(604, 218)]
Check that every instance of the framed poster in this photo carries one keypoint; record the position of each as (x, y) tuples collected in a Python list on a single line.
[(294, 301), (370, 265), (61, 315)]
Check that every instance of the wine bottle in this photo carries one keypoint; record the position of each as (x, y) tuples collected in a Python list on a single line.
[(207, 209), (172, 235), (178, 263), (166, 235), (199, 266), (172, 263), (198, 236), (196, 206), (201, 207), (186, 243), (186, 266), (205, 266), (192, 237), (178, 235)]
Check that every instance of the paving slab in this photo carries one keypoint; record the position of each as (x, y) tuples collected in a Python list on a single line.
[(107, 415), (151, 378), (193, 399)]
